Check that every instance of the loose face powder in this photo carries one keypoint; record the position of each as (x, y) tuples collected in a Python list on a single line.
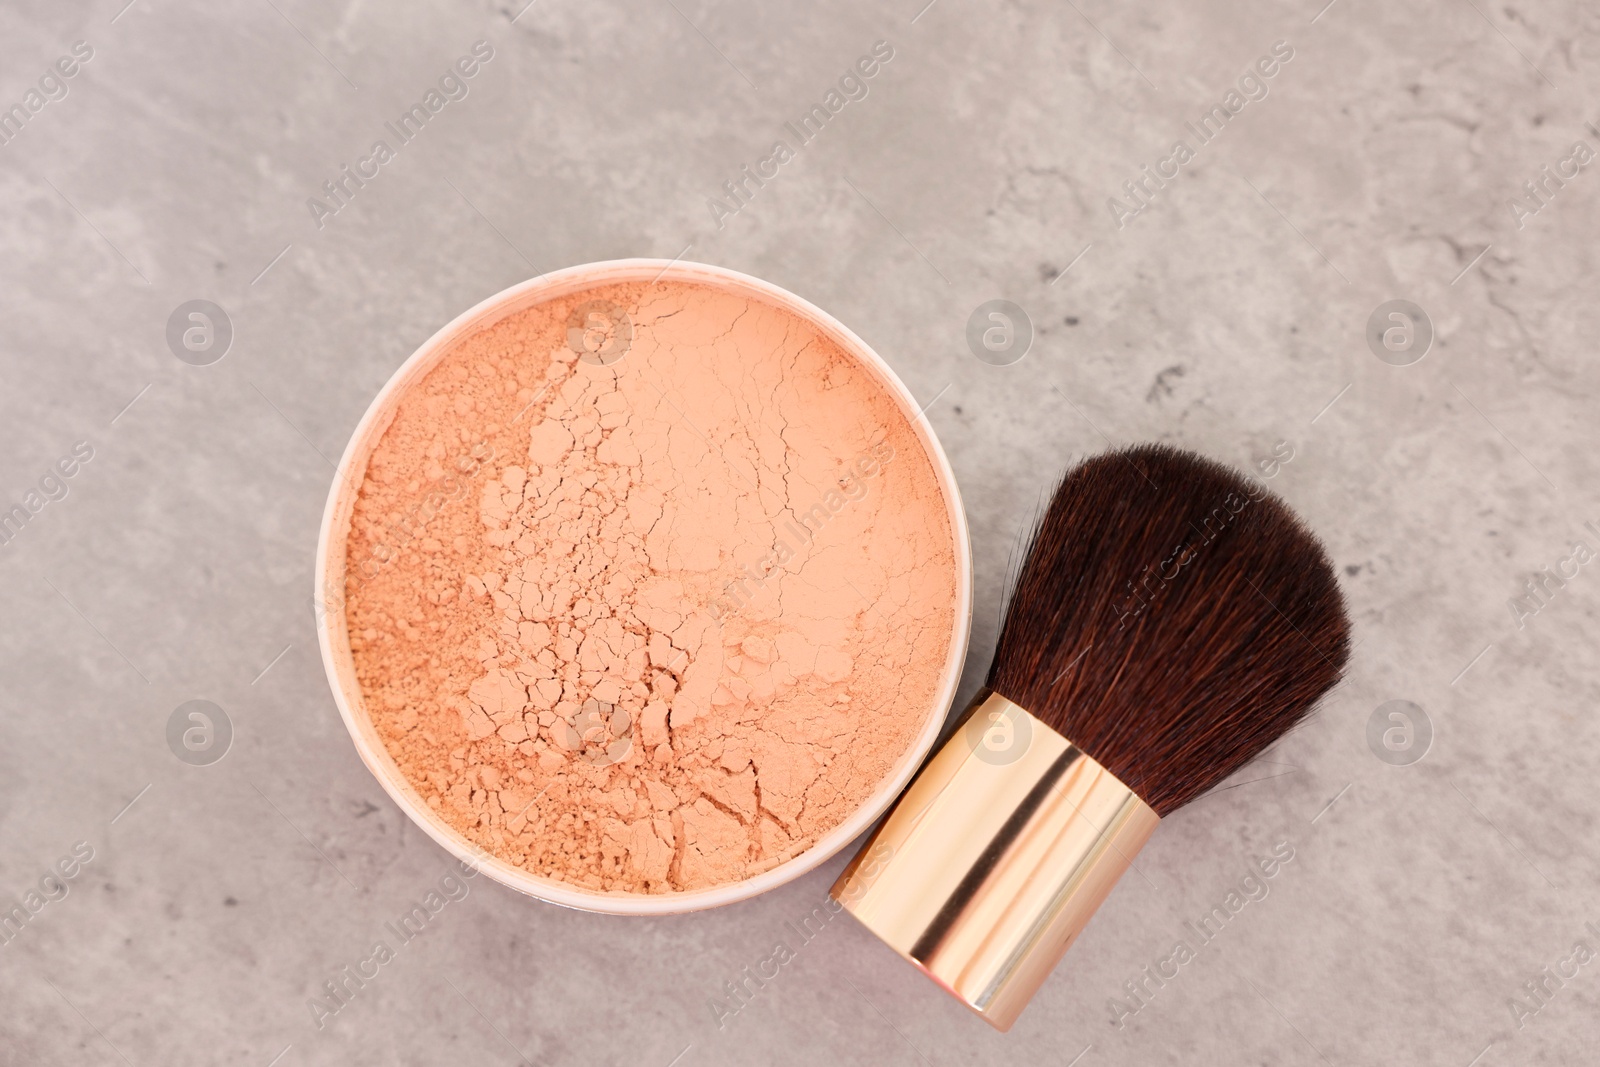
[(649, 586)]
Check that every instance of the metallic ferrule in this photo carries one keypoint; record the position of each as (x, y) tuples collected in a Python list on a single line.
[(996, 857)]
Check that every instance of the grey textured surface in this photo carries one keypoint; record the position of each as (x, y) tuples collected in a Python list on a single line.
[(1227, 317)]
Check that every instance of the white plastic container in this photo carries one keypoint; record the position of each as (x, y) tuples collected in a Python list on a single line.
[(330, 578)]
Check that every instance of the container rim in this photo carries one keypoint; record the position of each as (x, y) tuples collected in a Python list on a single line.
[(333, 636)]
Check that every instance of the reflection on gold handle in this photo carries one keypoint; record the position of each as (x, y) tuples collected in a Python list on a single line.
[(999, 853)]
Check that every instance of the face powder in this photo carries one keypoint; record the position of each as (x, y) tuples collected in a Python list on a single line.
[(651, 585)]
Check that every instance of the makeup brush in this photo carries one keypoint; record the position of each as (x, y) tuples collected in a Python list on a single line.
[(1172, 619)]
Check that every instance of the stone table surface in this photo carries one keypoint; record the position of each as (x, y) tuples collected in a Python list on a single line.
[(1219, 296)]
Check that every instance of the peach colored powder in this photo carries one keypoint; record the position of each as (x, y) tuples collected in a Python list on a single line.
[(654, 623)]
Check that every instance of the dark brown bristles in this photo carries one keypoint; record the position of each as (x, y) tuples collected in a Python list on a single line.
[(1172, 620)]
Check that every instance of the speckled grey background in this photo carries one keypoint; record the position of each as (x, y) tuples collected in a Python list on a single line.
[(1228, 316)]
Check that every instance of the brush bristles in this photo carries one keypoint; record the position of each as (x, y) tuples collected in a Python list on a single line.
[(1172, 620)]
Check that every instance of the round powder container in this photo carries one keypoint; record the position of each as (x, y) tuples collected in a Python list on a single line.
[(643, 586)]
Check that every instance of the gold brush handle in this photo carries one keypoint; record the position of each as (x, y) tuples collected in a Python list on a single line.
[(995, 859)]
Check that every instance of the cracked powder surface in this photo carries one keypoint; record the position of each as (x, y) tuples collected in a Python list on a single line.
[(656, 623)]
